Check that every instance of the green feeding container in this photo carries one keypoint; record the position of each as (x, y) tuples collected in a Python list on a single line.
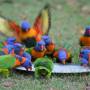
[(43, 67), (6, 62)]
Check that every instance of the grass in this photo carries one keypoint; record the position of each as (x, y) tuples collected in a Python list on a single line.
[(68, 18)]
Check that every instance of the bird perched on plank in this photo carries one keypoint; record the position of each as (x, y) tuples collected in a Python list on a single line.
[(23, 58), (26, 33), (39, 50), (50, 46), (85, 39), (63, 56)]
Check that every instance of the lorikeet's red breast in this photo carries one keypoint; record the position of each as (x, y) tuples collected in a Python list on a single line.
[(39, 50), (37, 54), (50, 48), (85, 39)]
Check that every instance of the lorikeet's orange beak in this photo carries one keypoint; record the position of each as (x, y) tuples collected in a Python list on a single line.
[(42, 47), (63, 62)]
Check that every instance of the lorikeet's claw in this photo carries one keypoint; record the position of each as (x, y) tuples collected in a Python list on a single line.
[(85, 65), (63, 62), (29, 69)]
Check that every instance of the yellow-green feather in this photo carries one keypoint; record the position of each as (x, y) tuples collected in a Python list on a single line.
[(46, 19)]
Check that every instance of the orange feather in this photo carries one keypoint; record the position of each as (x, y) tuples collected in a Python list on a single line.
[(85, 41)]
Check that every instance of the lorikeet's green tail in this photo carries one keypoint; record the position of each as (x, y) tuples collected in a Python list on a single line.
[(43, 67)]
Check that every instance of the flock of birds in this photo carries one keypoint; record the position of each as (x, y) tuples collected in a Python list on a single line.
[(25, 44)]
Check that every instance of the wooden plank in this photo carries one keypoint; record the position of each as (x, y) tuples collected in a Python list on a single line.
[(69, 68)]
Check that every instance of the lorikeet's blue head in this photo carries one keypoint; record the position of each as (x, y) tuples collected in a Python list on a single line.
[(87, 31), (18, 47), (25, 26), (11, 40), (88, 28), (46, 39), (40, 46), (62, 55)]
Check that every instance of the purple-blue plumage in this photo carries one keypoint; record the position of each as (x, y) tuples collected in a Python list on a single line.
[(84, 55), (25, 25), (46, 39), (18, 47), (62, 55), (87, 31), (11, 40), (84, 61), (40, 46)]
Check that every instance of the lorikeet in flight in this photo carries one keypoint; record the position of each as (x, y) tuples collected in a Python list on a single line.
[(26, 33)]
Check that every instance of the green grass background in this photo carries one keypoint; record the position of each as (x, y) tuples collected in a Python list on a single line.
[(68, 18)]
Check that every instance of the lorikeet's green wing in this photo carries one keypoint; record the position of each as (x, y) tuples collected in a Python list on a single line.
[(7, 61), (43, 21)]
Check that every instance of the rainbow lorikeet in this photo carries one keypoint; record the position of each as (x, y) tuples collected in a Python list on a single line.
[(43, 67), (85, 39), (9, 61), (26, 33), (50, 46), (39, 50), (85, 56), (8, 41), (63, 56)]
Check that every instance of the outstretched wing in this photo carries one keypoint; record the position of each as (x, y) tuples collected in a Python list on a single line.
[(8, 28), (43, 21), (4, 29)]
